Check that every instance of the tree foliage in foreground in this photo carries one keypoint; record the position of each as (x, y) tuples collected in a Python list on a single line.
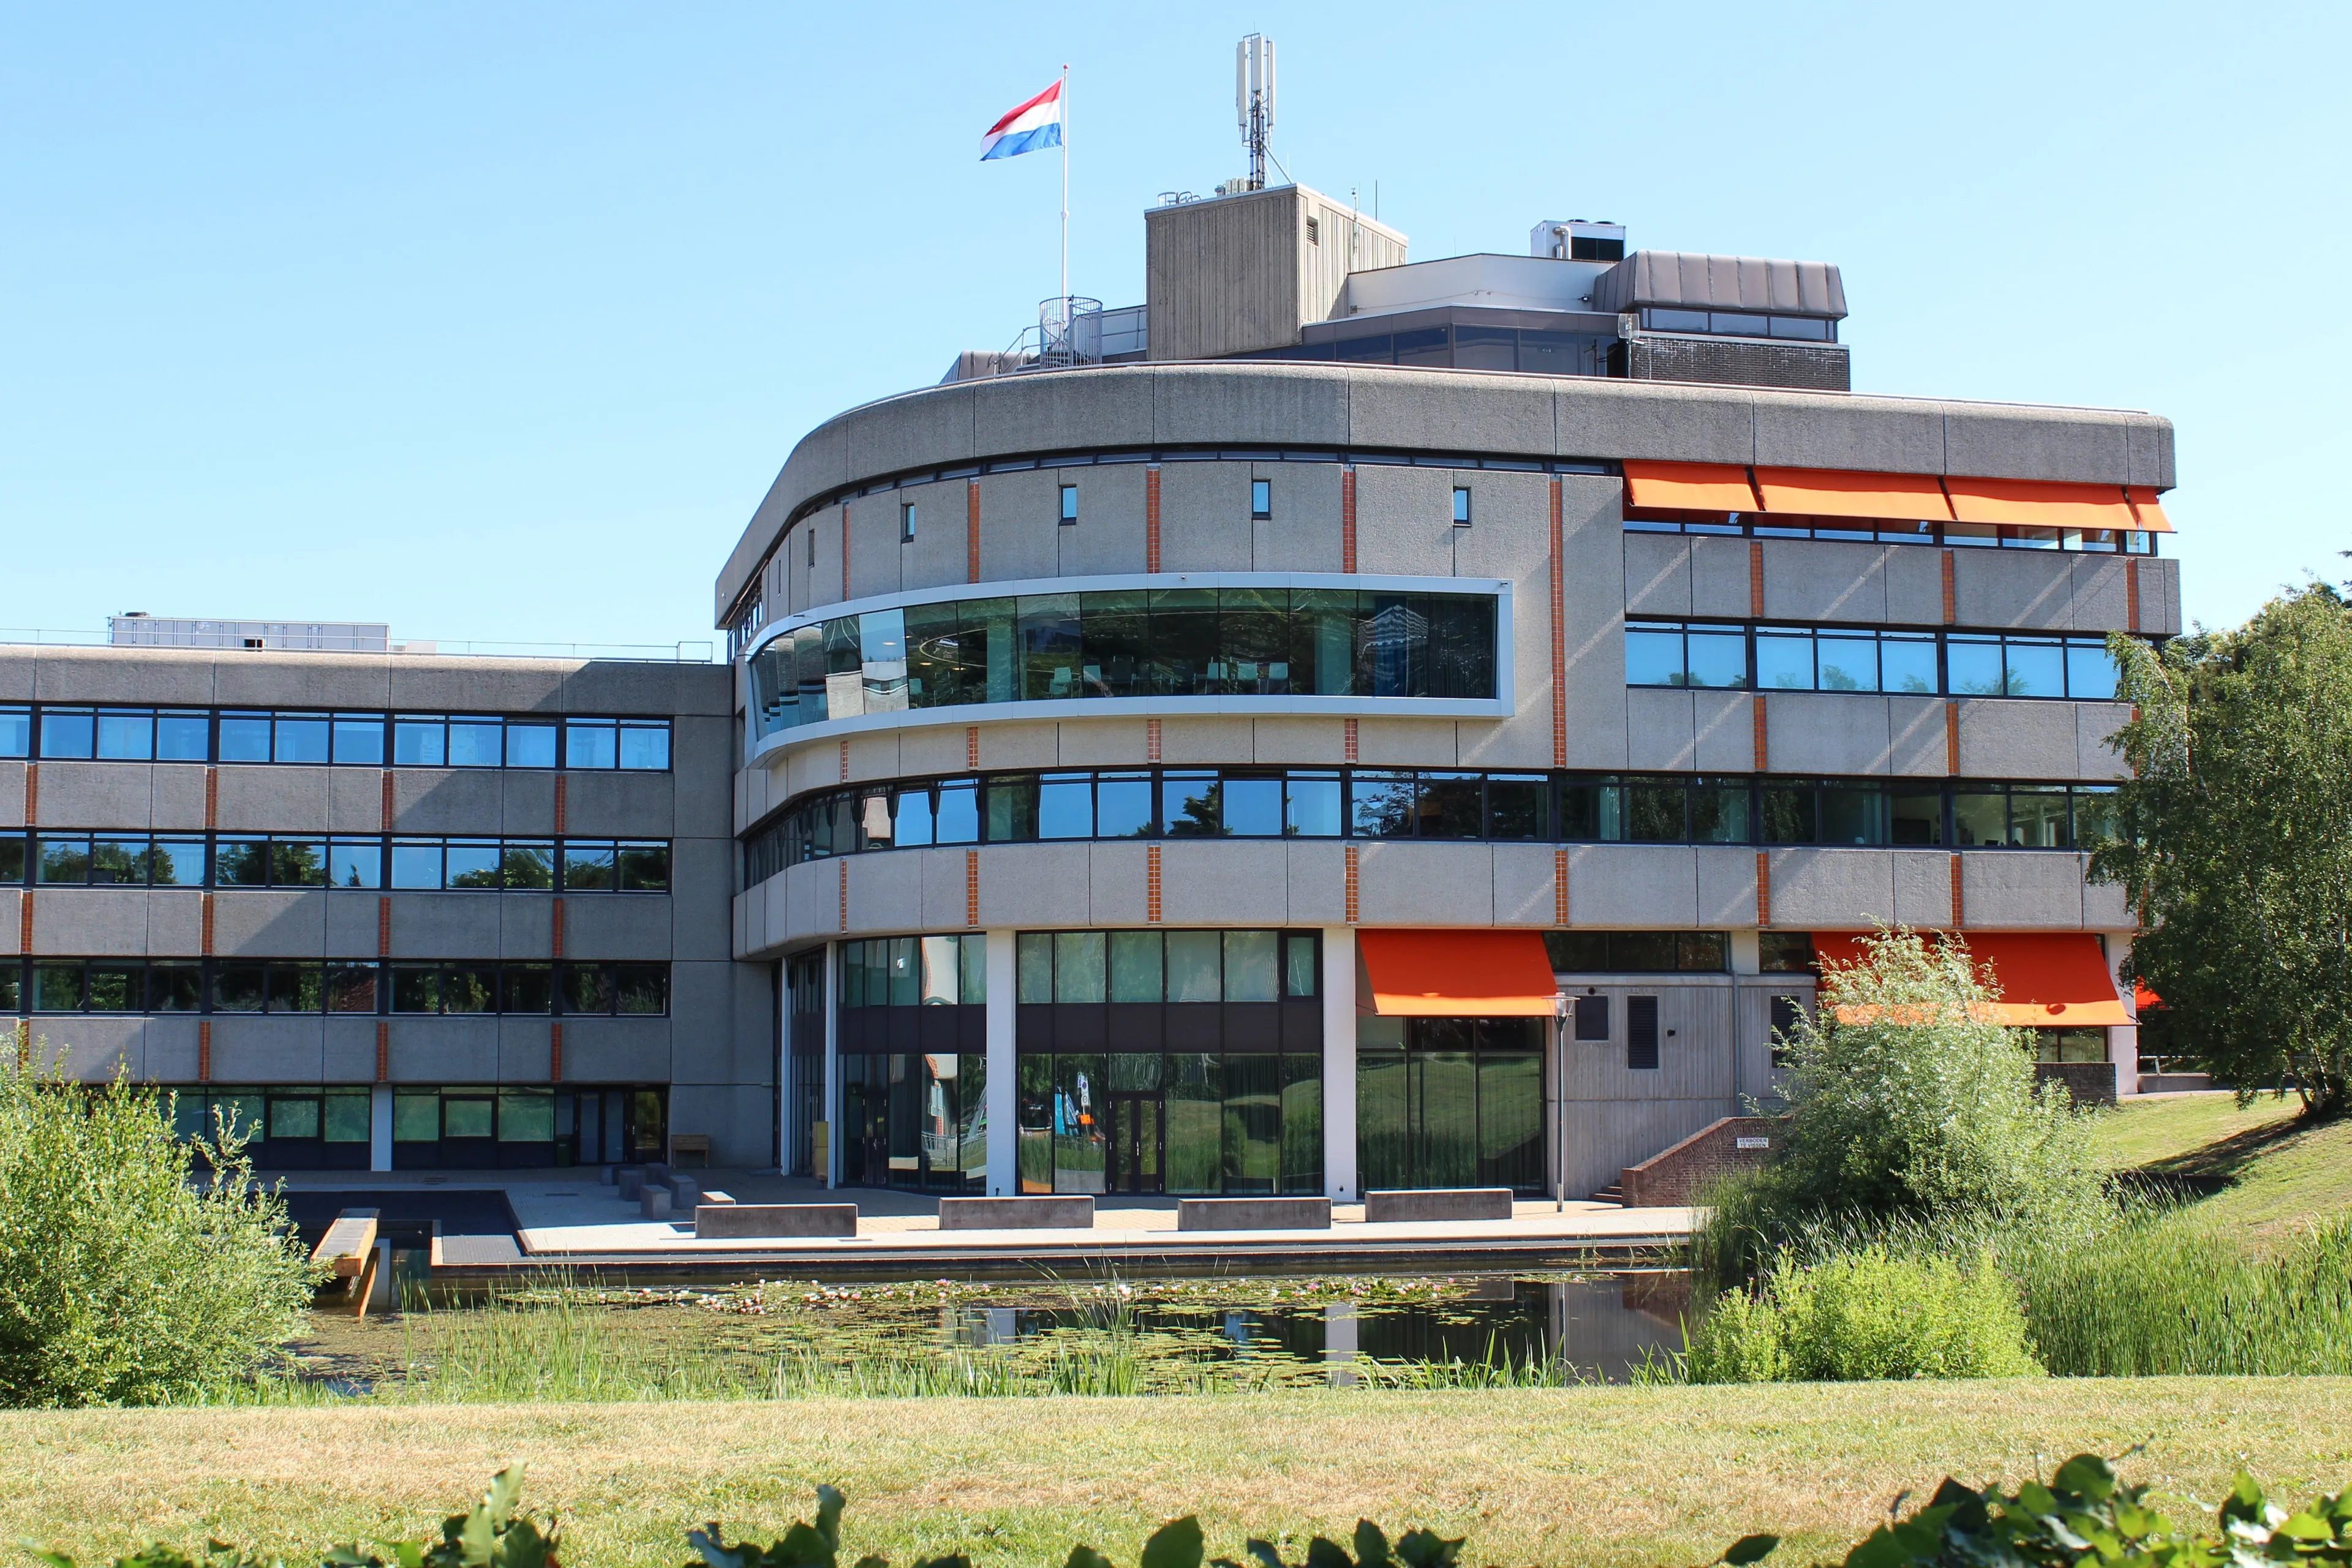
[(135, 1269), (2235, 842)]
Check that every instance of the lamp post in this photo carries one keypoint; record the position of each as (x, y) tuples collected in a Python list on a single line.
[(1559, 1101)]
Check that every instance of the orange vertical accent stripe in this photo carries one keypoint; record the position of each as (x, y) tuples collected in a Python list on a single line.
[(1951, 737), (1560, 887), (387, 812), (382, 926), (205, 1051), (1951, 591), (554, 929), (1559, 628), (1348, 518), (32, 795), (212, 799), (383, 1051), (204, 916), (25, 920), (972, 746), (971, 531), (562, 780), (842, 868), (1763, 889), (1756, 578), (1152, 884), (971, 888), (2131, 595), (845, 759), (1151, 517), (555, 1053), (1354, 904), (1959, 898), (1763, 736), (1348, 741), (1151, 739)]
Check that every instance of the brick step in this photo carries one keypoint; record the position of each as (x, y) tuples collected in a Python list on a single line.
[(1613, 1193)]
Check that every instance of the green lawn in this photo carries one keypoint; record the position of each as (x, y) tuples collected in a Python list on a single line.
[(1618, 1476), (2272, 1174)]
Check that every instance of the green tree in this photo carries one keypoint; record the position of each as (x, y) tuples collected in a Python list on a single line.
[(134, 1267), (2235, 842)]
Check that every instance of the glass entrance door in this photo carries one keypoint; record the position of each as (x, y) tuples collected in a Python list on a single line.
[(1135, 1143)]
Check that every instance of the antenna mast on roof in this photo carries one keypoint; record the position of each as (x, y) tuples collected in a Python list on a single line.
[(1254, 100)]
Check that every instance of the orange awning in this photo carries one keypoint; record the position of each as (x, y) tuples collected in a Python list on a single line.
[(2052, 980), (1457, 974), (2037, 503), (1689, 487), (2144, 507), (1837, 493), (2143, 998)]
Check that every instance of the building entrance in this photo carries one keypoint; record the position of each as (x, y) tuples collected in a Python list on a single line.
[(1136, 1126)]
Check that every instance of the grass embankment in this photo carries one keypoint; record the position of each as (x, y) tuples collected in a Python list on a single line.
[(2268, 1176), (1630, 1476)]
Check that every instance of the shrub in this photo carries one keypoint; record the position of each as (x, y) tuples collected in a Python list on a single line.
[(134, 1268), (1862, 1315)]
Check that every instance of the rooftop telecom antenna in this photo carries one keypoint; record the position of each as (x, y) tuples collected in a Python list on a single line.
[(1254, 100)]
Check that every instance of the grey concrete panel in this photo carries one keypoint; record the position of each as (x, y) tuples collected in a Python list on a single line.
[(1305, 742), (448, 1051), (1658, 576), (1918, 746), (1600, 418), (269, 1050), (947, 884), (1725, 726), (723, 1029), (12, 908), (1243, 882), (1404, 883), (1102, 742), (1827, 733), (2101, 595), (1440, 411), (1915, 586), (1017, 526), (2095, 725), (1185, 739), (740, 1126), (1832, 890), (809, 767), (2025, 588), (1522, 740), (1661, 730), (1108, 536), (621, 1050), (812, 901), (647, 687), (2107, 907), (1118, 884), (931, 749), (1407, 742), (933, 425), (443, 800), (93, 1050), (616, 805), (886, 893), (611, 925), (1726, 886), (1404, 519), (17, 667), (2018, 739), (940, 553), (526, 804), (526, 925), (1525, 884), (1886, 437), (175, 923), (455, 925), (111, 921), (2168, 621), (1510, 538), (1718, 577), (96, 794), (1029, 885), (1604, 1137), (1213, 403), (1825, 580), (1304, 533), (12, 795), (270, 800), (526, 1050), (276, 679), (429, 685), (1064, 411), (2077, 445), (874, 547), (168, 1047), (1204, 517), (2021, 890), (1923, 889), (1592, 570), (168, 676), (702, 873), (1316, 882), (2150, 442), (353, 925), (177, 791), (1612, 885), (255, 922), (703, 761), (1023, 745), (821, 532), (354, 798)]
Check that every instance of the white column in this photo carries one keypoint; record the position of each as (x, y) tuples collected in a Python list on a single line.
[(2123, 1043), (1003, 1071), (832, 1108), (1339, 1063), (787, 1138), (380, 1128)]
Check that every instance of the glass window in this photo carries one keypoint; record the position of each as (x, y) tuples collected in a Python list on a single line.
[(959, 812), (118, 988), (358, 739), (1974, 665), (1785, 951), (238, 987), (1299, 965), (1065, 805), (2090, 673), (472, 1116), (1848, 660), (68, 732), (1253, 806), (419, 742), (1654, 812), (471, 863), (1069, 514), (297, 863), (2094, 815), (351, 987), (241, 862), (301, 738), (2037, 817), (1078, 967), (416, 1117), (347, 1116), (1517, 806), (417, 988), (245, 737), (293, 1116), (531, 745), (175, 987), (1791, 812), (470, 988), (1592, 811), (1135, 960), (586, 988), (588, 865), (527, 865), (1261, 500), (641, 989), (476, 742), (1979, 819), (1252, 973), (1853, 814), (1784, 659), (590, 744), (58, 986), (1194, 966), (1915, 820), (1719, 812), (645, 746), (1379, 805), (117, 861), (63, 860), (179, 737), (1011, 809), (297, 987), (645, 867), (526, 1115), (2036, 668), (526, 988), (1311, 806), (1192, 805), (355, 863), (1034, 967), (1908, 662), (1123, 806), (16, 731), (417, 863), (126, 734), (1718, 657), (12, 861)]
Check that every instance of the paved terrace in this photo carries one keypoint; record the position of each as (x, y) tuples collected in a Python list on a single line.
[(571, 1220)]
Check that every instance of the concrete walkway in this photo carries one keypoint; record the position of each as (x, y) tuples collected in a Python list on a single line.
[(581, 1222)]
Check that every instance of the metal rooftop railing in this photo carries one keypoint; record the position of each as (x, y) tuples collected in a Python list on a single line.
[(690, 651)]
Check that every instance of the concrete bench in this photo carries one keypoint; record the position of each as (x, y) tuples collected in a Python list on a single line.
[(1437, 1203), (742, 1220), (1036, 1212), (349, 1252), (697, 1144), (653, 1202), (1252, 1214)]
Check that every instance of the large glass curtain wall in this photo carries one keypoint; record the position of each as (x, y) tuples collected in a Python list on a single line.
[(1450, 1102), (913, 1035), (1181, 642), (328, 1127)]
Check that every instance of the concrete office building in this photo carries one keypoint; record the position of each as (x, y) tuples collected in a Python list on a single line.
[(1186, 753)]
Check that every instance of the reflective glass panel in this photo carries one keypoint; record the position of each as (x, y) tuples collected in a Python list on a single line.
[(71, 732), (1975, 666), (590, 744), (1311, 806), (1065, 807), (1979, 819), (1252, 968), (359, 739), (179, 737), (587, 865), (1123, 805), (1252, 808), (526, 865), (415, 863), (245, 737), (645, 747), (419, 744), (1135, 960), (1848, 661), (127, 736), (1908, 663), (1718, 657), (2090, 673), (301, 738), (1784, 659), (2036, 668), (1080, 972), (472, 863), (476, 742), (531, 745), (1193, 968)]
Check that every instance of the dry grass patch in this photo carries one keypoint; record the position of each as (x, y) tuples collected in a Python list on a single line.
[(1605, 1475)]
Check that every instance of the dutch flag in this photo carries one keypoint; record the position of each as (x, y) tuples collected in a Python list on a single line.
[(1031, 128)]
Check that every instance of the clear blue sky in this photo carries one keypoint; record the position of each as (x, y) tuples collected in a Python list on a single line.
[(496, 321)]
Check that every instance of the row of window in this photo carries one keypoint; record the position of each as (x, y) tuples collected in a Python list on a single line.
[(1739, 324), (330, 1126), (100, 859), (1861, 658), (356, 740), (1087, 966), (1461, 345), (1169, 642), (225, 985), (1382, 803), (1983, 535)]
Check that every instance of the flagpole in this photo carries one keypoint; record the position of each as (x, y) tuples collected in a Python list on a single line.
[(1066, 196)]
